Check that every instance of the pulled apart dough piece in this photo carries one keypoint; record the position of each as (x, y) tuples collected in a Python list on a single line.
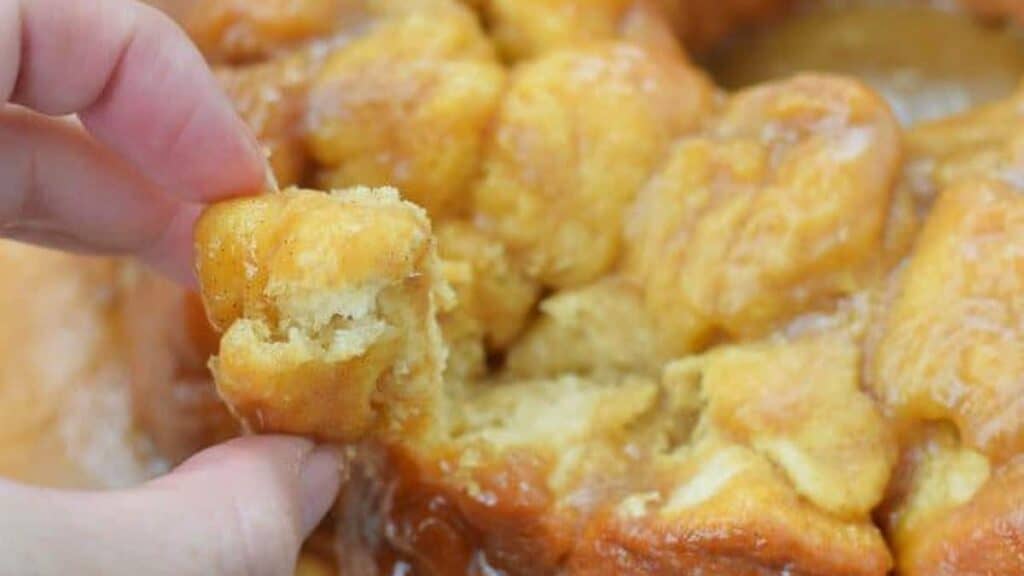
[(327, 304)]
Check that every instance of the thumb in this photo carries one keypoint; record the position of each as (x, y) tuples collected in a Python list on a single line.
[(242, 508)]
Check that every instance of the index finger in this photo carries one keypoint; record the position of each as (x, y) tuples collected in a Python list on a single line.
[(139, 86)]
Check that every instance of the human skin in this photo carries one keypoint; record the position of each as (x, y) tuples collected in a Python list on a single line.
[(156, 141)]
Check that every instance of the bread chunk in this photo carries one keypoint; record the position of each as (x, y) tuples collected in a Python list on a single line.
[(493, 297), (577, 134), (949, 361), (953, 349), (407, 104), (270, 97), (747, 460), (327, 303), (525, 29), (597, 330), (777, 208)]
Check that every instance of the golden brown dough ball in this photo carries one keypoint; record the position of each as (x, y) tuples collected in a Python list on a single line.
[(493, 297), (950, 349), (953, 348), (799, 404), (271, 98), (524, 29), (407, 106), (235, 31), (502, 295), (328, 304), (783, 468), (577, 135), (778, 207), (976, 144)]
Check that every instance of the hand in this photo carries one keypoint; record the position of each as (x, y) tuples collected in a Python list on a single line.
[(164, 139), (242, 508), (159, 141)]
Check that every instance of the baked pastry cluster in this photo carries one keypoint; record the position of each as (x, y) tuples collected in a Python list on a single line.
[(640, 326)]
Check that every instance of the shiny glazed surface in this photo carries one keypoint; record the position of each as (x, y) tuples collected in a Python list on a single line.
[(760, 332)]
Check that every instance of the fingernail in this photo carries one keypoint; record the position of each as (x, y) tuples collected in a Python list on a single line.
[(321, 479)]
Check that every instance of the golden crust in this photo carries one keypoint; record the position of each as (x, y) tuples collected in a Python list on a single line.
[(754, 525), (327, 303), (555, 184), (490, 489)]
